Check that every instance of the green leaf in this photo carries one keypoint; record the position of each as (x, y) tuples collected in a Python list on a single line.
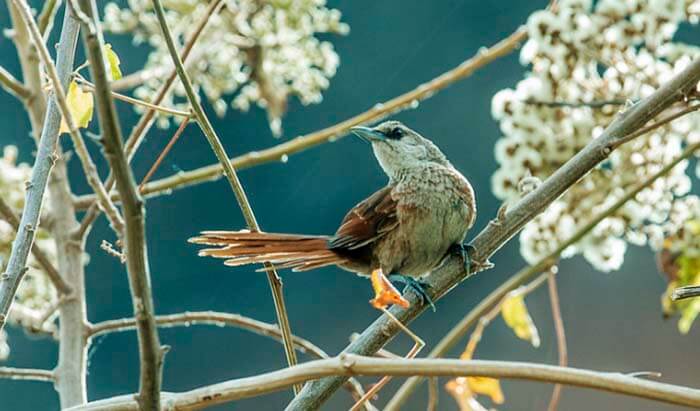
[(113, 62)]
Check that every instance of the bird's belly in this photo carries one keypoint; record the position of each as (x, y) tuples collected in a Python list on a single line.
[(421, 241)]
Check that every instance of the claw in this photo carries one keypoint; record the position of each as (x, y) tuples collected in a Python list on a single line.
[(417, 286), (464, 251)]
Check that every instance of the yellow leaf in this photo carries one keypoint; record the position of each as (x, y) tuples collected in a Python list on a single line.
[(384, 292), (80, 105), (486, 386), (113, 62), (515, 314)]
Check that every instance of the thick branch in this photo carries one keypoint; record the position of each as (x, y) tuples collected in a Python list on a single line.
[(150, 352), (45, 159), (236, 186), (497, 233), (335, 132), (27, 374), (349, 364)]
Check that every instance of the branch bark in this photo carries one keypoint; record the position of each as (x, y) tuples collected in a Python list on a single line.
[(236, 186), (498, 232), (562, 351), (349, 364), (26, 374), (150, 352), (404, 101)]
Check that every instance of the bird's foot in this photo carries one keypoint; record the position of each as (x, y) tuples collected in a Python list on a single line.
[(419, 287), (471, 266)]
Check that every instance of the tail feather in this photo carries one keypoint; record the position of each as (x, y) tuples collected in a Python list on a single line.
[(298, 252)]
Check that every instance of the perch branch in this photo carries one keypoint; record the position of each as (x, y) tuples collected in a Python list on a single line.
[(26, 374), (41, 257), (453, 336), (350, 364), (241, 197), (495, 235), (335, 132), (150, 352)]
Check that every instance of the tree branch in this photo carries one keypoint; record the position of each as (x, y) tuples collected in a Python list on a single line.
[(404, 101), (685, 292), (44, 162), (12, 85), (80, 148), (27, 374), (349, 364), (497, 233), (150, 352), (41, 257), (563, 357), (453, 336), (236, 186)]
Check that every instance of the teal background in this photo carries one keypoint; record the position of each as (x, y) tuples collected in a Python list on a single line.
[(613, 321)]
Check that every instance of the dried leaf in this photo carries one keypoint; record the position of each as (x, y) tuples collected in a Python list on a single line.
[(459, 389), (113, 62), (464, 389), (384, 292), (515, 314), (486, 386), (80, 105)]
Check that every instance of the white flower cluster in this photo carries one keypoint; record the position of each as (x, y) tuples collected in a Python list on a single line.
[(36, 293), (588, 62), (265, 50)]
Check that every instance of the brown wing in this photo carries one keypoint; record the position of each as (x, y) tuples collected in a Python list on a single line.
[(367, 221)]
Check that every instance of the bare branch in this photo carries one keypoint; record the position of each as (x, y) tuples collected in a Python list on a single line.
[(236, 186), (12, 85), (150, 352), (45, 159), (46, 17), (164, 153), (685, 292), (27, 374), (494, 236), (41, 257), (453, 336), (80, 148), (563, 356), (349, 364), (404, 101)]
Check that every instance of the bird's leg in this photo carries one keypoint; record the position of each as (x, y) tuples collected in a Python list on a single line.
[(464, 251), (419, 287)]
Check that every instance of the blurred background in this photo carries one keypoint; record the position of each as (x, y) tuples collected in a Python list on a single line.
[(613, 321)]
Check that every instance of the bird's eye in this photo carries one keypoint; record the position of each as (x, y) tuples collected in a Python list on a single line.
[(395, 133)]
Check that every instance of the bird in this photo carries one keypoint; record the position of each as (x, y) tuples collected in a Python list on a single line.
[(405, 229)]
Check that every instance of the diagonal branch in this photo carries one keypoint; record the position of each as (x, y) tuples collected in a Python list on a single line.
[(349, 364), (150, 352), (498, 232), (453, 336), (337, 131), (12, 85), (236, 186)]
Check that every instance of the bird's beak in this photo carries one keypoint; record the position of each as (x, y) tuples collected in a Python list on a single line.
[(368, 134)]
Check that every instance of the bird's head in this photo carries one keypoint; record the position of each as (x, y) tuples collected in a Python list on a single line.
[(398, 148)]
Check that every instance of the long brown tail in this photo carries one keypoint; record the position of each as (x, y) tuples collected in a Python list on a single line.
[(298, 252)]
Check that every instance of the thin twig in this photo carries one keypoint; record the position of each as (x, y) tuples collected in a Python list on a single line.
[(150, 352), (658, 123), (495, 235), (164, 153), (685, 292), (12, 85), (241, 197), (433, 394), (131, 100), (89, 167), (337, 131), (575, 104), (144, 124), (453, 336), (350, 364), (563, 357), (27, 374), (61, 286), (46, 17)]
